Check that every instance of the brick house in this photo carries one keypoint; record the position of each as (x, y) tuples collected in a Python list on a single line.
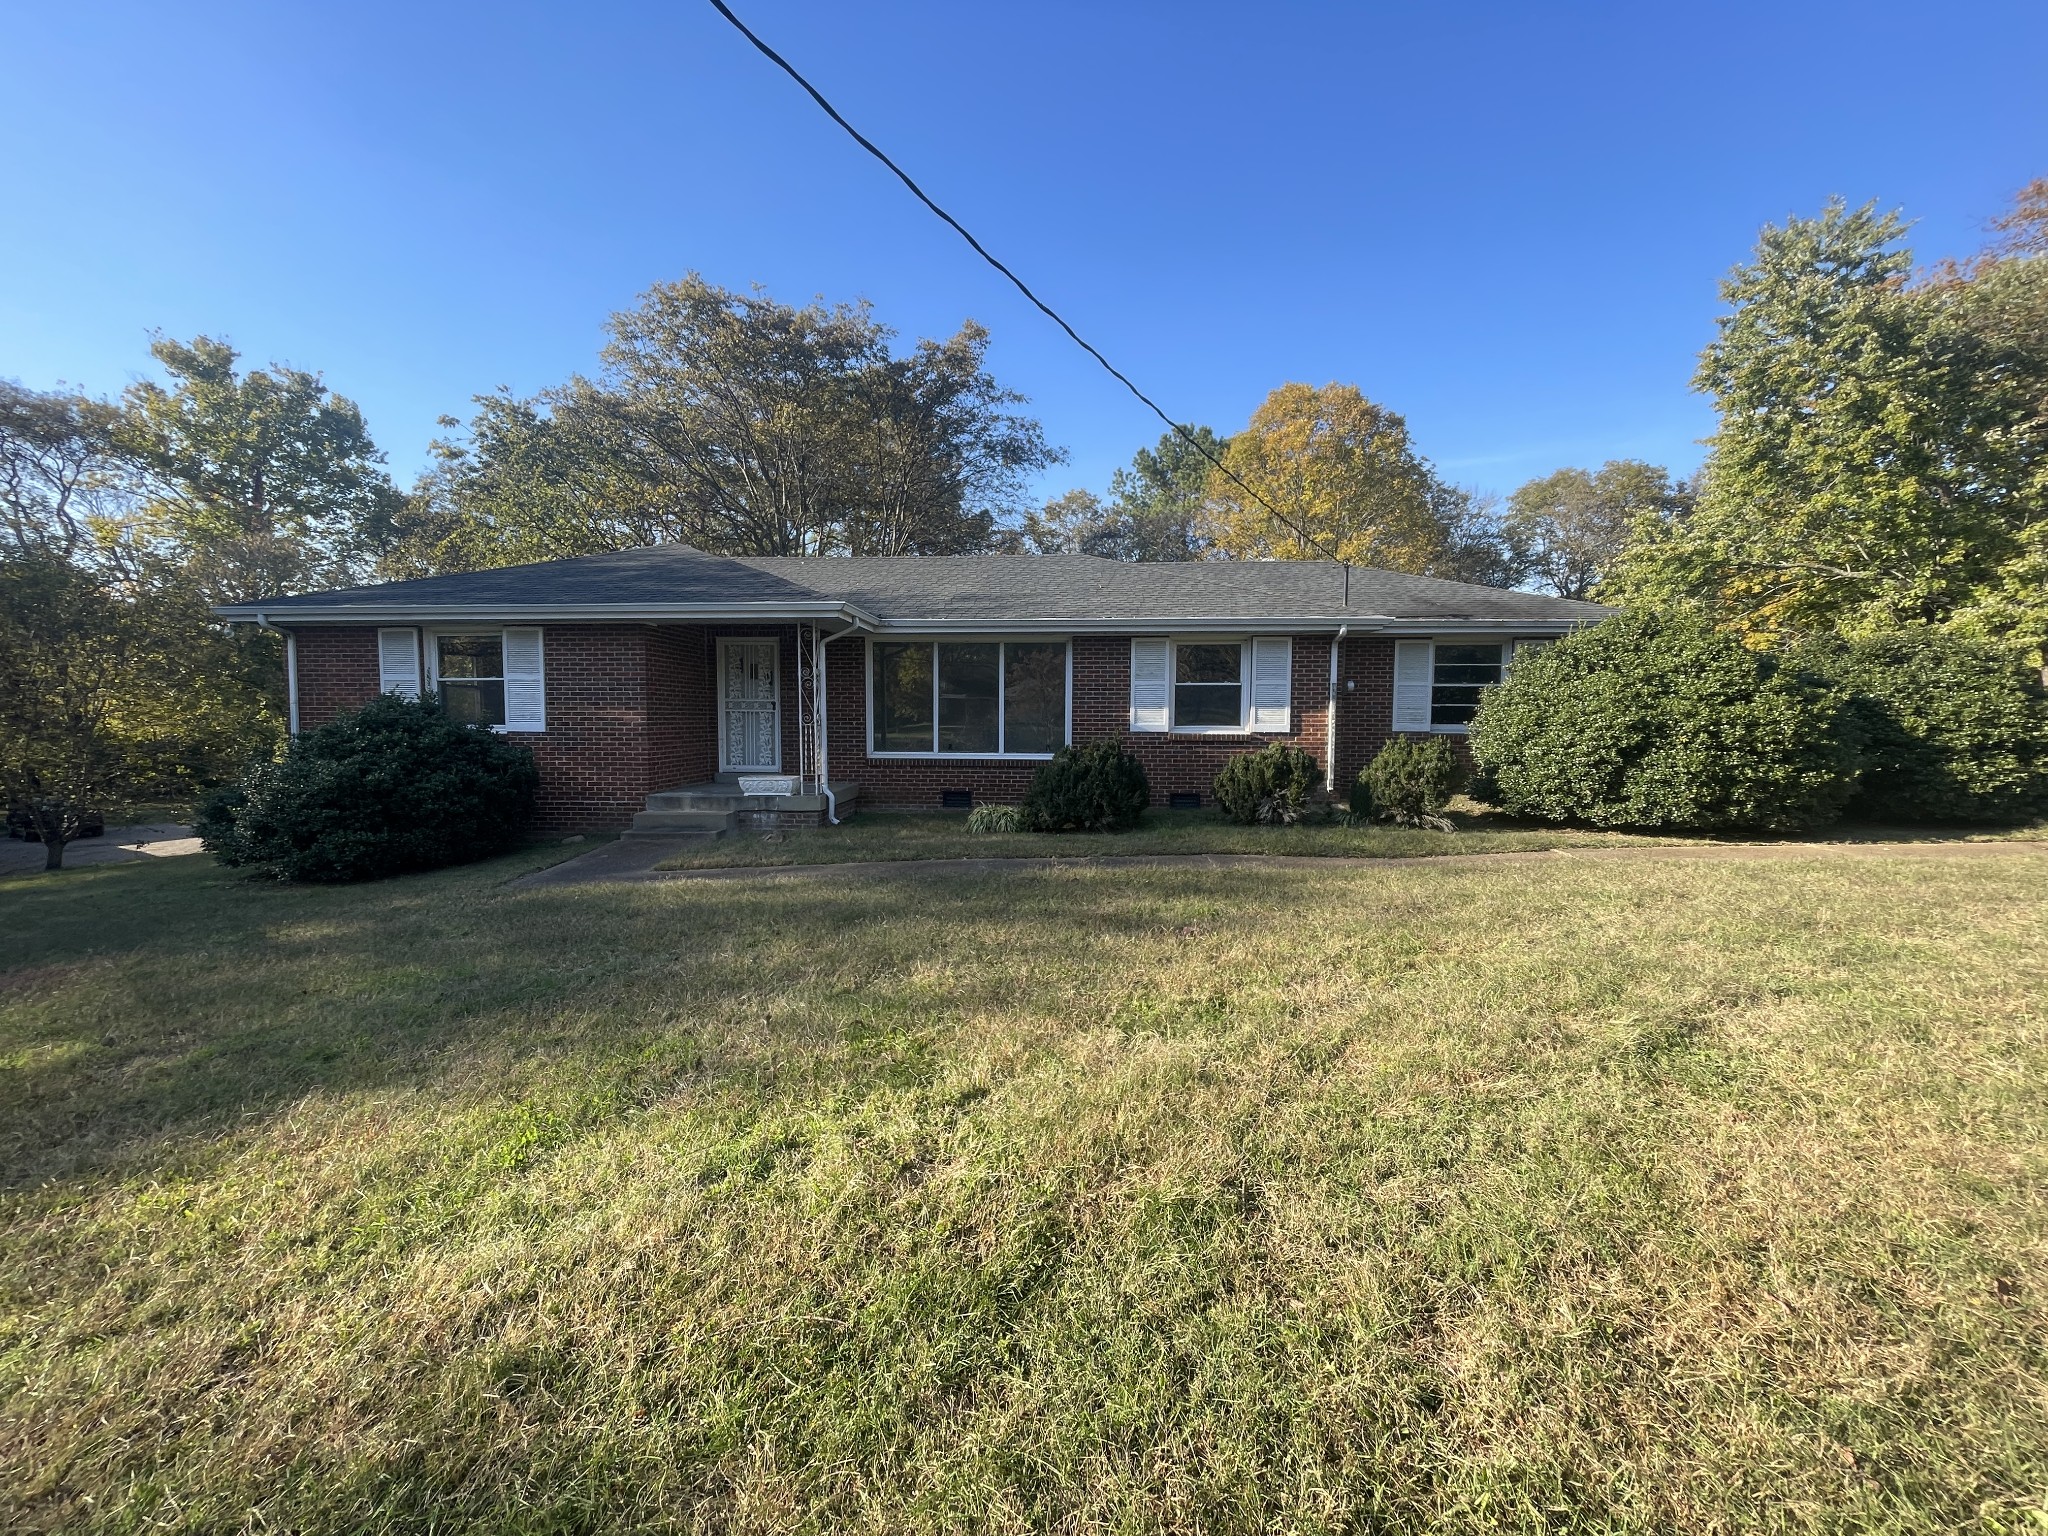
[(648, 682)]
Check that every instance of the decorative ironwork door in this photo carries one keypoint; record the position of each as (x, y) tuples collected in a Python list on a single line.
[(750, 707)]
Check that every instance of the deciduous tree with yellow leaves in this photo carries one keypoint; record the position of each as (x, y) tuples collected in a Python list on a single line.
[(1344, 474)]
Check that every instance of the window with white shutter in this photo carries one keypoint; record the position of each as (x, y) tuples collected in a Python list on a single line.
[(398, 662), (1150, 693), (525, 683), (1272, 683), (1412, 680)]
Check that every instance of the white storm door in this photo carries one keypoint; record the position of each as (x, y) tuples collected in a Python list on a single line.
[(749, 707)]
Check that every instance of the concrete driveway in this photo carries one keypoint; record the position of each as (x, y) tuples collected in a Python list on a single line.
[(117, 845)]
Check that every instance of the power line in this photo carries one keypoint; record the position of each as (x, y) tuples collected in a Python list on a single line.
[(1044, 308)]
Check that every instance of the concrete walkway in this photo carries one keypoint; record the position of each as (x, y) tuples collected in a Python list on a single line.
[(632, 860), (117, 845)]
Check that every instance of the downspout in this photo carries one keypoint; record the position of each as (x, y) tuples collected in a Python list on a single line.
[(291, 671), (818, 643), (1330, 720)]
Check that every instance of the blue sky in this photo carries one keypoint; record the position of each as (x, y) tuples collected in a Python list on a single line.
[(1506, 222)]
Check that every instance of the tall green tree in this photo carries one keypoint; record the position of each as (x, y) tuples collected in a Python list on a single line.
[(251, 483), (60, 476), (739, 425), (1880, 453), (1568, 528), (1161, 500), (108, 696)]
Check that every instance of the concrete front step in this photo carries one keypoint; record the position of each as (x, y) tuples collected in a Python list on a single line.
[(723, 798), (683, 823)]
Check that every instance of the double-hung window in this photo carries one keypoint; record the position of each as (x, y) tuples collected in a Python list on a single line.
[(1205, 685), (492, 677), (1462, 673), (968, 698)]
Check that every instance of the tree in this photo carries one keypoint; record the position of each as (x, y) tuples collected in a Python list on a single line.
[(1568, 528), (742, 426), (1073, 523), (1161, 501), (59, 474), (106, 698), (1345, 475), (1881, 452), (253, 484)]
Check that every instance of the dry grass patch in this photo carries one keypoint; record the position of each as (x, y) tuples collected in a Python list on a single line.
[(1519, 1198)]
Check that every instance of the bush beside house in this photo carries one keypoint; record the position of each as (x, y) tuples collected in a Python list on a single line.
[(1410, 781), (393, 787), (1099, 787), (1656, 720), (1271, 786)]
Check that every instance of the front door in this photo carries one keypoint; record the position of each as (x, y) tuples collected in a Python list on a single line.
[(750, 707)]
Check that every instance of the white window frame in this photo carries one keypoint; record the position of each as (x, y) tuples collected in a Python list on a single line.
[(1508, 644), (1002, 683), (430, 659), (1244, 686)]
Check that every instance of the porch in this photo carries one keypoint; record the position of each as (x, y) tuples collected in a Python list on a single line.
[(718, 806)]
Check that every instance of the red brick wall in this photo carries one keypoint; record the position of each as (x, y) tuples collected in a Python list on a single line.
[(337, 671), (1175, 764), (627, 712), (632, 709)]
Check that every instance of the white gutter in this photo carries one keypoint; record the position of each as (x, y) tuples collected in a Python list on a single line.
[(819, 671), (1330, 719)]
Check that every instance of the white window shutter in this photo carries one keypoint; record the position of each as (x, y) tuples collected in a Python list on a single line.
[(398, 662), (525, 686), (1151, 690), (1272, 683), (1412, 679)]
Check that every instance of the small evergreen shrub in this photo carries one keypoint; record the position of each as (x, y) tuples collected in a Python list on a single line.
[(1411, 780), (393, 787), (996, 818), (1095, 788), (1270, 786), (1955, 729), (1658, 720)]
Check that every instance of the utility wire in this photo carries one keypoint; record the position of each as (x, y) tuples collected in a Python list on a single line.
[(1044, 308)]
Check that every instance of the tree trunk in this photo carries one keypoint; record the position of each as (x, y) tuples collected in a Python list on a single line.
[(52, 830)]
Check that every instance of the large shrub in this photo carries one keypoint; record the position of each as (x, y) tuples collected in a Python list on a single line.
[(1095, 788), (1271, 785), (395, 786), (1657, 720), (1955, 729), (1411, 780)]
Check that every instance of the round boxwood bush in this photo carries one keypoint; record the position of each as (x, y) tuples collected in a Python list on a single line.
[(1095, 788), (1270, 786), (1955, 729), (1657, 720), (1410, 781), (396, 786)]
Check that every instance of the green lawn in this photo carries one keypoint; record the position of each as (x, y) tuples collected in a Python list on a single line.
[(1597, 1196), (871, 835)]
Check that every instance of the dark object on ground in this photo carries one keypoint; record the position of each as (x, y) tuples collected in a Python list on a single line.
[(1270, 786), (1095, 788), (1410, 781), (395, 786), (1654, 720), (21, 825)]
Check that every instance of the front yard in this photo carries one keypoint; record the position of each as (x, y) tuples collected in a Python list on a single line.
[(891, 835), (1585, 1196)]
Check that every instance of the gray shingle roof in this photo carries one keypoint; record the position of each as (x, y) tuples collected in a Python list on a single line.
[(956, 588)]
